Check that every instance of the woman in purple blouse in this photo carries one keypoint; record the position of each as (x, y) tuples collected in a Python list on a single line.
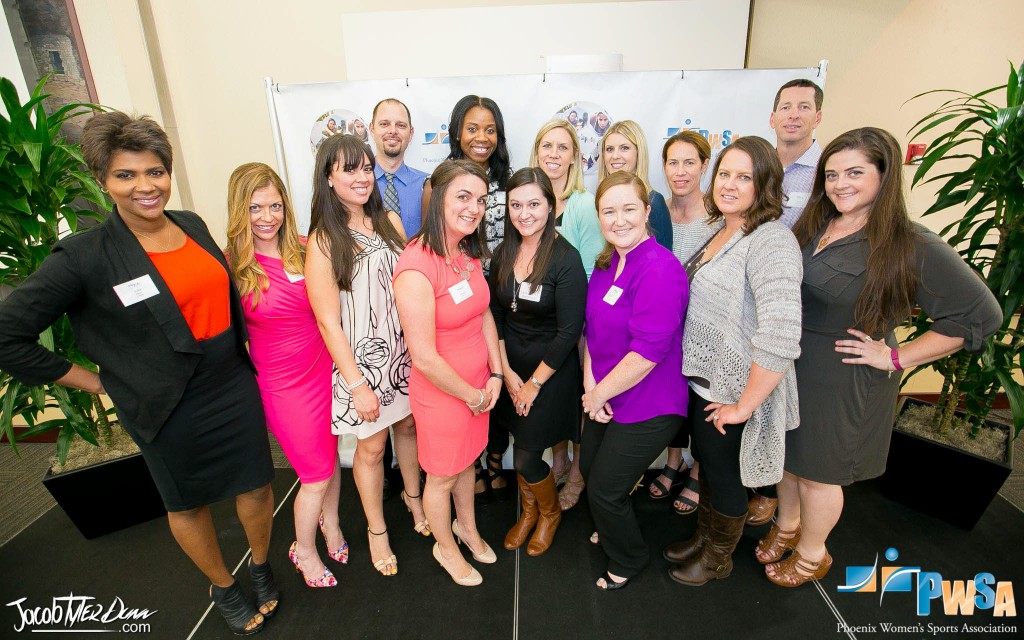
[(635, 393)]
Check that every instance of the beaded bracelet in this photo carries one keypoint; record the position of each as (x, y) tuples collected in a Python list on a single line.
[(894, 355), (476, 406), (350, 387)]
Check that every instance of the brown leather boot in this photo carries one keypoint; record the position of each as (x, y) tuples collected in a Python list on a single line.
[(550, 515), (516, 536), (715, 560), (686, 549)]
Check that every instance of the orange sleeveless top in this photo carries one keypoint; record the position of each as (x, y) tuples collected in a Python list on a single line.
[(199, 285)]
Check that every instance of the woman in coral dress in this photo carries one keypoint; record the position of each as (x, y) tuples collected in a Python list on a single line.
[(443, 303)]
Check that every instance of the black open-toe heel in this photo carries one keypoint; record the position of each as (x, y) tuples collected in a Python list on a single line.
[(236, 609), (494, 469), (484, 496), (267, 594), (611, 585)]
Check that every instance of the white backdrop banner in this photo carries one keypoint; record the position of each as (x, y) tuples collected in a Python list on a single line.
[(721, 105)]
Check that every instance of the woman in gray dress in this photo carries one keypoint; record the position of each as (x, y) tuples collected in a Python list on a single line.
[(865, 266)]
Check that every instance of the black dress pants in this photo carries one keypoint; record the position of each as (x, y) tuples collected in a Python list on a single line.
[(719, 458), (612, 457)]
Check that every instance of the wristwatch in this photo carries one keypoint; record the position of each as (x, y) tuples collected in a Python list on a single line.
[(497, 375), (537, 382)]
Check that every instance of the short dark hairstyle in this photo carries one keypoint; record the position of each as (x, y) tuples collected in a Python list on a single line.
[(499, 164), (819, 95), (432, 233), (108, 133), (768, 175), (373, 116), (690, 137)]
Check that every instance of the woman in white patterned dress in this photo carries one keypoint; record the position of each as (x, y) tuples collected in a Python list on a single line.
[(354, 245)]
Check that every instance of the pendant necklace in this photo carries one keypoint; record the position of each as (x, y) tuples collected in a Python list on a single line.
[(515, 293), (462, 272)]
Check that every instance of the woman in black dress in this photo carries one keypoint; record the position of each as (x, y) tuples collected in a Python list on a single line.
[(149, 298), (538, 299)]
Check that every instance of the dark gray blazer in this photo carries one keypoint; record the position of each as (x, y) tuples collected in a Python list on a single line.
[(145, 351)]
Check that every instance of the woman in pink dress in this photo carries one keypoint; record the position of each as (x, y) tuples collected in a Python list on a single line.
[(443, 303), (266, 259)]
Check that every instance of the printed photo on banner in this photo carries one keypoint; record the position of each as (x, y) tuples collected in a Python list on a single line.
[(338, 121), (590, 121)]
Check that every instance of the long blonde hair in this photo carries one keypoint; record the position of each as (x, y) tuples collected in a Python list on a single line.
[(248, 275), (631, 131), (574, 178)]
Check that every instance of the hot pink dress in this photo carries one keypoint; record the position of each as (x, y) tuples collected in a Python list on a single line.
[(449, 437), (293, 372)]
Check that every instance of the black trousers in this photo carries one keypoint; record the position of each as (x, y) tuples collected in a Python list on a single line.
[(612, 457), (719, 458)]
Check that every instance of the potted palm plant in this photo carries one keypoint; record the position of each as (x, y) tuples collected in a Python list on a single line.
[(977, 161), (42, 182)]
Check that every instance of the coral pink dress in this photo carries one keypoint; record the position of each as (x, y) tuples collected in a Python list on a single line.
[(449, 437), (294, 372)]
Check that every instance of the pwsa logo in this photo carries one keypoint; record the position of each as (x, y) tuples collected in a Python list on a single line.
[(434, 137), (717, 139), (959, 597), (81, 614)]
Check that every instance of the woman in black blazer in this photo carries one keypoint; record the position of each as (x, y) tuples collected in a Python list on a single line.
[(148, 296)]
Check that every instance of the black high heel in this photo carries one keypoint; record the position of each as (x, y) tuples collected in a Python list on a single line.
[(267, 594), (494, 470), (484, 496), (236, 609)]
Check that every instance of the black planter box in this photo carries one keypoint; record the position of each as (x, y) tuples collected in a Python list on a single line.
[(916, 464), (107, 497)]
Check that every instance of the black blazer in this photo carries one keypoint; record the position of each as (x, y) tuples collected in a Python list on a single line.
[(145, 351)]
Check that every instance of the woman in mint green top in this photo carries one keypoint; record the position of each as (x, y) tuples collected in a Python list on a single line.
[(556, 152)]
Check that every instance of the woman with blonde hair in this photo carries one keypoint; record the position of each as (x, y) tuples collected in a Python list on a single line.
[(624, 148), (354, 247), (556, 152), (266, 258)]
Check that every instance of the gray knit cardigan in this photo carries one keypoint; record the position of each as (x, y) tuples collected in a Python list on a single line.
[(745, 307)]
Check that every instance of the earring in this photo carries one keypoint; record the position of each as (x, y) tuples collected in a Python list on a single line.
[(330, 184)]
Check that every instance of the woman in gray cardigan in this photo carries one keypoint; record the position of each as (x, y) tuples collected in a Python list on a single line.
[(742, 335)]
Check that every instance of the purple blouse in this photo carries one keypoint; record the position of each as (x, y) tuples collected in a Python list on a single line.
[(646, 317)]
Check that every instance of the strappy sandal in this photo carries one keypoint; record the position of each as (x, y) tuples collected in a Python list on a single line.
[(422, 527), (775, 545), (691, 484), (569, 494), (787, 572), (672, 474), (263, 582), (493, 473), (236, 609), (382, 565)]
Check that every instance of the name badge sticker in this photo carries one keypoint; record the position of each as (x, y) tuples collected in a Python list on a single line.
[(613, 295), (798, 199), (136, 290), (461, 291), (294, 277), (525, 292)]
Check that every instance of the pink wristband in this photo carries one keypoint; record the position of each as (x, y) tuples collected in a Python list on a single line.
[(895, 356)]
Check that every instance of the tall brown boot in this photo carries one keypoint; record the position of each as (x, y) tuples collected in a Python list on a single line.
[(516, 536), (550, 515), (687, 549), (715, 560)]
